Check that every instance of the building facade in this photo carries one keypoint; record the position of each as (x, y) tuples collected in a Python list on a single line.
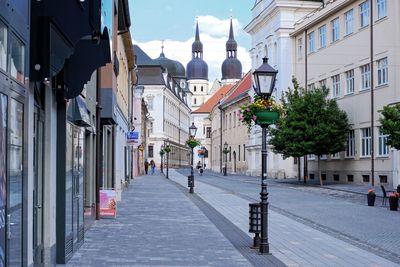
[(333, 47), (270, 28)]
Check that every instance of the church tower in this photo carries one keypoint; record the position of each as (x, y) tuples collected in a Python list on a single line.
[(197, 73), (231, 67)]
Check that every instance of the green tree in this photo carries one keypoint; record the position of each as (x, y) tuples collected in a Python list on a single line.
[(313, 124), (391, 124)]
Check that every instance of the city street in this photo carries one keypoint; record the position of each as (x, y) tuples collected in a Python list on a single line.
[(160, 224)]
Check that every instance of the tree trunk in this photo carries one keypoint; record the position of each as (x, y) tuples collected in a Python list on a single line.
[(299, 168), (319, 170)]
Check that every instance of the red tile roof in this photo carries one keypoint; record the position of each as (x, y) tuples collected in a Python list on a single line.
[(208, 106), (242, 86)]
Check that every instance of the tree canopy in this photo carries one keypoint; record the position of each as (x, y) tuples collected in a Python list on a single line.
[(391, 124), (312, 124)]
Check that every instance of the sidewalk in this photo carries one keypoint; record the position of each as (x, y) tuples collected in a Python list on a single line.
[(157, 224), (292, 242)]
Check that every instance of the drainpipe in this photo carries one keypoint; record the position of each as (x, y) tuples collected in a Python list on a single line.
[(99, 148), (305, 174), (372, 92), (220, 139)]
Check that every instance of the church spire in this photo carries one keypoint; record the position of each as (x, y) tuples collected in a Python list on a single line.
[(197, 46), (231, 45)]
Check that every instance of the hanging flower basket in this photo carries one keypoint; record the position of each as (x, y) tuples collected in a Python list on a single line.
[(191, 142), (264, 117)]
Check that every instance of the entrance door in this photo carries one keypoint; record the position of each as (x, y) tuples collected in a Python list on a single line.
[(78, 189), (38, 161), (15, 184)]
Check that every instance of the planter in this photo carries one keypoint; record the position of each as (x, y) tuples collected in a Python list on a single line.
[(371, 199), (394, 203), (266, 117)]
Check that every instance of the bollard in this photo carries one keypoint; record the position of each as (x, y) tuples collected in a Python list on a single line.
[(255, 223)]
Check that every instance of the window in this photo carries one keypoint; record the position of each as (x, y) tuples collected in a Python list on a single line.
[(208, 132), (350, 144), (365, 178), (322, 36), (230, 154), (336, 177), (202, 88), (299, 48), (244, 152), (312, 176), (383, 148), (234, 119), (239, 151), (350, 178), (311, 47), (323, 156), (383, 179), (364, 14), (366, 142), (311, 87), (311, 157), (382, 71), (230, 120), (194, 101), (150, 103), (365, 77), (151, 151), (336, 85), (335, 29), (3, 46), (195, 89), (323, 176), (350, 82), (335, 156), (348, 16), (381, 6), (322, 83), (17, 59)]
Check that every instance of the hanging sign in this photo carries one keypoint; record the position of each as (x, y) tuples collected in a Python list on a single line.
[(132, 138)]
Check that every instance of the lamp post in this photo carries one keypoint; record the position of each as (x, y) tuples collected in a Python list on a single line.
[(162, 151), (264, 78), (167, 150), (192, 134), (226, 151)]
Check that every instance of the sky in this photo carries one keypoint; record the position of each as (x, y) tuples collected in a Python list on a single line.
[(174, 21)]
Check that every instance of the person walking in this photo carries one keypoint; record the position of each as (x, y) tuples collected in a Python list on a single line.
[(146, 166), (153, 166)]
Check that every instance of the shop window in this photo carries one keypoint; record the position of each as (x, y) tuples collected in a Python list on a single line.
[(350, 178), (365, 178), (336, 177), (383, 179)]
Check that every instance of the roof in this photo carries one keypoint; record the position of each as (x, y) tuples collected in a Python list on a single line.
[(242, 87), (142, 58), (214, 99)]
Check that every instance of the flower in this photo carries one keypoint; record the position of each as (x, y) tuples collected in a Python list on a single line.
[(394, 195), (247, 111), (371, 191), (191, 142)]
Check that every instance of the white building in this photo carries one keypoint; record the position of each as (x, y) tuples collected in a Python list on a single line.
[(270, 28), (167, 98)]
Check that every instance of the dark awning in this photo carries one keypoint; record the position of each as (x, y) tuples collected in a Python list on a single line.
[(87, 57), (77, 112)]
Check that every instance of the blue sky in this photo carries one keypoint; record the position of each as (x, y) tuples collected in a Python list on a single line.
[(174, 22)]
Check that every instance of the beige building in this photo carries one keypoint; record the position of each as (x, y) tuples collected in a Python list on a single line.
[(332, 47), (235, 133)]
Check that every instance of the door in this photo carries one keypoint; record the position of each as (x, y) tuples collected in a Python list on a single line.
[(78, 189), (3, 177), (38, 161), (15, 184)]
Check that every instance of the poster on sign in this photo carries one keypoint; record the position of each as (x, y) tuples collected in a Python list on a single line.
[(108, 203)]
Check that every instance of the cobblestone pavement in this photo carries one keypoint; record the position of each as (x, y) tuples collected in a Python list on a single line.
[(365, 232), (157, 225)]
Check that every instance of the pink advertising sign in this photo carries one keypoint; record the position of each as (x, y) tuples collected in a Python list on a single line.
[(108, 203)]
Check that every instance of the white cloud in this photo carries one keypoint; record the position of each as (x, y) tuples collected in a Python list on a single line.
[(213, 34)]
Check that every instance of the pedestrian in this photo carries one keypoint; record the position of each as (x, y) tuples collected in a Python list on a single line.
[(146, 166), (198, 165), (201, 171), (153, 166)]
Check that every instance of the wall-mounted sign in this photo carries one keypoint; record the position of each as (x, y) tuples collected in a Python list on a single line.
[(132, 138)]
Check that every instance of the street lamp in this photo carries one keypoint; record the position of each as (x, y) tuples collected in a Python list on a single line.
[(167, 150), (264, 78), (192, 134), (226, 151), (162, 151)]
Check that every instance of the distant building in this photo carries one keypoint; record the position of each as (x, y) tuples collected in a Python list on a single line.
[(231, 68)]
